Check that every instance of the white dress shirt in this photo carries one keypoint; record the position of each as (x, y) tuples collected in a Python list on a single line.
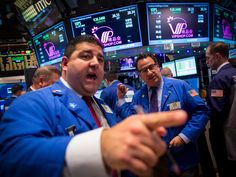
[(83, 156)]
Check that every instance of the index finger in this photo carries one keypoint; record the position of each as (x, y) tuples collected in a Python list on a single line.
[(166, 119)]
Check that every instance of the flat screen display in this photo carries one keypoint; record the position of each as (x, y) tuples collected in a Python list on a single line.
[(224, 25), (117, 29), (127, 63), (38, 15), (177, 22), (170, 65), (186, 66), (50, 45), (16, 62), (232, 53)]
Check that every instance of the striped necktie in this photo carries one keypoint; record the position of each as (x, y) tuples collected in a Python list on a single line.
[(88, 101)]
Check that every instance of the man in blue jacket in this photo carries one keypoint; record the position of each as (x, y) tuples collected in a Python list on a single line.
[(109, 94), (219, 101), (43, 132), (172, 94), (17, 90)]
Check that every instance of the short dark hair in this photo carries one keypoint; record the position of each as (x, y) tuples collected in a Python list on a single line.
[(111, 76), (145, 55), (15, 88), (219, 47), (70, 48)]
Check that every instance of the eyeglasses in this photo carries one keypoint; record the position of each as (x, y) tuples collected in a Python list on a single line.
[(150, 68)]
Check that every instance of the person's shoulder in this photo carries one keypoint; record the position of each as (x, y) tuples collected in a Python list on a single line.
[(109, 88), (36, 93), (130, 87), (173, 81), (142, 90), (228, 68), (225, 73)]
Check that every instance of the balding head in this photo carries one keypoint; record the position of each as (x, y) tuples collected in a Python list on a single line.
[(166, 72), (45, 76)]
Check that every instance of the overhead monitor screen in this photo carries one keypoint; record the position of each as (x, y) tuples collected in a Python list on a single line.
[(170, 65), (224, 28), (117, 29), (15, 62), (127, 63), (177, 22), (50, 45), (38, 15), (232, 53), (186, 66)]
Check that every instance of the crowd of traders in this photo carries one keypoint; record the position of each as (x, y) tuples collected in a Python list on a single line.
[(63, 130)]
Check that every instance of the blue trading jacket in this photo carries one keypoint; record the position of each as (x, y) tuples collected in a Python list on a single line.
[(220, 105), (109, 94), (33, 138), (175, 90)]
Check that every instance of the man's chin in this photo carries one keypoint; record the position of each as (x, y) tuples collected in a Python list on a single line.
[(92, 91)]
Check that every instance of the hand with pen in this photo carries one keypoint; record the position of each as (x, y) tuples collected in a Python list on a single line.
[(132, 144)]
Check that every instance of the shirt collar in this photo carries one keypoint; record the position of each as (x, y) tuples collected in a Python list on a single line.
[(68, 86), (158, 86), (112, 82), (32, 88), (218, 69)]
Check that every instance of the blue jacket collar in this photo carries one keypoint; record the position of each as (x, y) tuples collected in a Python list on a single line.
[(166, 92), (77, 105)]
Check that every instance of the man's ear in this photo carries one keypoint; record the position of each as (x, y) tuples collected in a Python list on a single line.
[(41, 81), (64, 62)]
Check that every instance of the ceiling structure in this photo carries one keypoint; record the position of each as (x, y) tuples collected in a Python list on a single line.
[(12, 29)]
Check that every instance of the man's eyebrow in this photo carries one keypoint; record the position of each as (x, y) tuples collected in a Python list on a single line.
[(100, 55), (91, 52), (88, 51)]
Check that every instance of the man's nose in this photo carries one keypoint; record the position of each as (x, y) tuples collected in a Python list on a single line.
[(95, 60)]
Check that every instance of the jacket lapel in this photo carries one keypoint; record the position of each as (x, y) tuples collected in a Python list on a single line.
[(166, 92), (144, 101), (107, 112), (75, 104)]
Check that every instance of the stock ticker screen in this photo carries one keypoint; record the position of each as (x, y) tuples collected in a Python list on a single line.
[(37, 15), (186, 66), (50, 44), (14, 64), (224, 28), (177, 23), (117, 29)]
